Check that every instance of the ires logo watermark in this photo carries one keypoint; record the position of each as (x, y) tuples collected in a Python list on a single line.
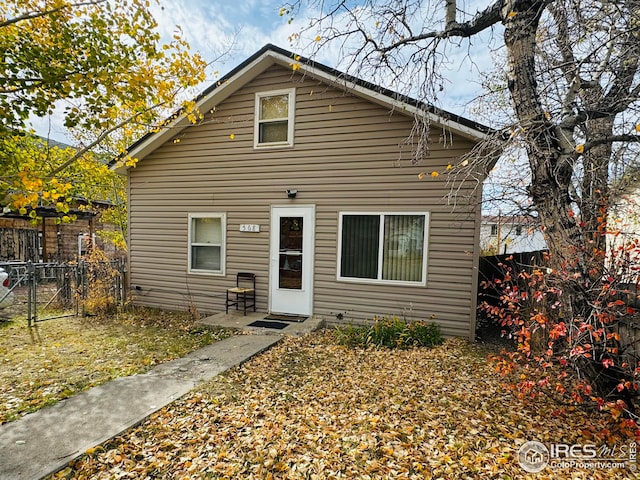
[(534, 457)]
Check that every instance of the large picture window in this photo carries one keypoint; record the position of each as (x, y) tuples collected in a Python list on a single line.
[(385, 247), (207, 243), (274, 118)]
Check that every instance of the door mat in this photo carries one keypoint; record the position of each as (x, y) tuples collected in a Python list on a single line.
[(265, 324), (286, 318)]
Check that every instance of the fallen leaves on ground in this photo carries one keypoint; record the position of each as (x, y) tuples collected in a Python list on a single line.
[(310, 409), (58, 358)]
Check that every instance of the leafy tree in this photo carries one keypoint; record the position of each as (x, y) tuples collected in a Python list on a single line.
[(573, 81), (102, 63), (89, 178)]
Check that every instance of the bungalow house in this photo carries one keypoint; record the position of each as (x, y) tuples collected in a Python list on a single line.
[(303, 176)]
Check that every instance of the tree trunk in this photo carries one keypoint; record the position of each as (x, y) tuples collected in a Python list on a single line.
[(574, 222), (551, 160)]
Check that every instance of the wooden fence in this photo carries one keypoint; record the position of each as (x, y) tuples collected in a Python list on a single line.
[(19, 244), (494, 267)]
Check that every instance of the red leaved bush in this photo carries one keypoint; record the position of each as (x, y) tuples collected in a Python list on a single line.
[(577, 336)]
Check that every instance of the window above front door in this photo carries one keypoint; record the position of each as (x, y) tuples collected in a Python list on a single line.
[(274, 118)]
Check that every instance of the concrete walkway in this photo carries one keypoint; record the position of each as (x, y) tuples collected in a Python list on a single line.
[(46, 441)]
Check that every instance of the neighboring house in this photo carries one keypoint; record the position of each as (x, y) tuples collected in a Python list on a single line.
[(303, 176), (48, 240), (504, 234)]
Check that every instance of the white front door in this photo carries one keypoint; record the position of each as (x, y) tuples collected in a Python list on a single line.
[(291, 265)]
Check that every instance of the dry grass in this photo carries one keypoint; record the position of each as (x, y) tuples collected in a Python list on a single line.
[(58, 358), (311, 409)]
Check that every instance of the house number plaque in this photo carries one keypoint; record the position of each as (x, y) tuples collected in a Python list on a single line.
[(249, 227)]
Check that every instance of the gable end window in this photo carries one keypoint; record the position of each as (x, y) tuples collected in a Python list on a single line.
[(207, 236), (274, 118), (386, 248)]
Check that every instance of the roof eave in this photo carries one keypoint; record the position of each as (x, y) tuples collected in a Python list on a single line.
[(270, 55)]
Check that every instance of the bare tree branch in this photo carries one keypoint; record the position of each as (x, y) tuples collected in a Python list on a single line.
[(100, 138)]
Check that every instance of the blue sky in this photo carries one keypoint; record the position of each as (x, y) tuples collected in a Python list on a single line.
[(212, 26)]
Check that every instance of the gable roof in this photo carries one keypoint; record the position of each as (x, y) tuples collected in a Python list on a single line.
[(272, 55)]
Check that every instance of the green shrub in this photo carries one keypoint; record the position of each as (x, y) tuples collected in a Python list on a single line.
[(352, 335), (390, 333)]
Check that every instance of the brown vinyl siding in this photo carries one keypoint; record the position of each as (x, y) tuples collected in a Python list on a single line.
[(346, 157)]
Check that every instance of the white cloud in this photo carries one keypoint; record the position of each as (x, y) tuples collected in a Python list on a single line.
[(241, 27), (51, 126)]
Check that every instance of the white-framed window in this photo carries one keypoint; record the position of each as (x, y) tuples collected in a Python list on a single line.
[(85, 242), (388, 248), (274, 118), (207, 238)]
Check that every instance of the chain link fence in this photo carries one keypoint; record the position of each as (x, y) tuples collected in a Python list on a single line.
[(44, 291)]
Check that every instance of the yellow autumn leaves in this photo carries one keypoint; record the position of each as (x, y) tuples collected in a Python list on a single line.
[(72, 354), (308, 408), (580, 148), (29, 188), (449, 167), (35, 176), (296, 65), (434, 173)]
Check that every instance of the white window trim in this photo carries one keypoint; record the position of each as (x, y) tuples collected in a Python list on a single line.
[(291, 92), (223, 246), (379, 280)]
